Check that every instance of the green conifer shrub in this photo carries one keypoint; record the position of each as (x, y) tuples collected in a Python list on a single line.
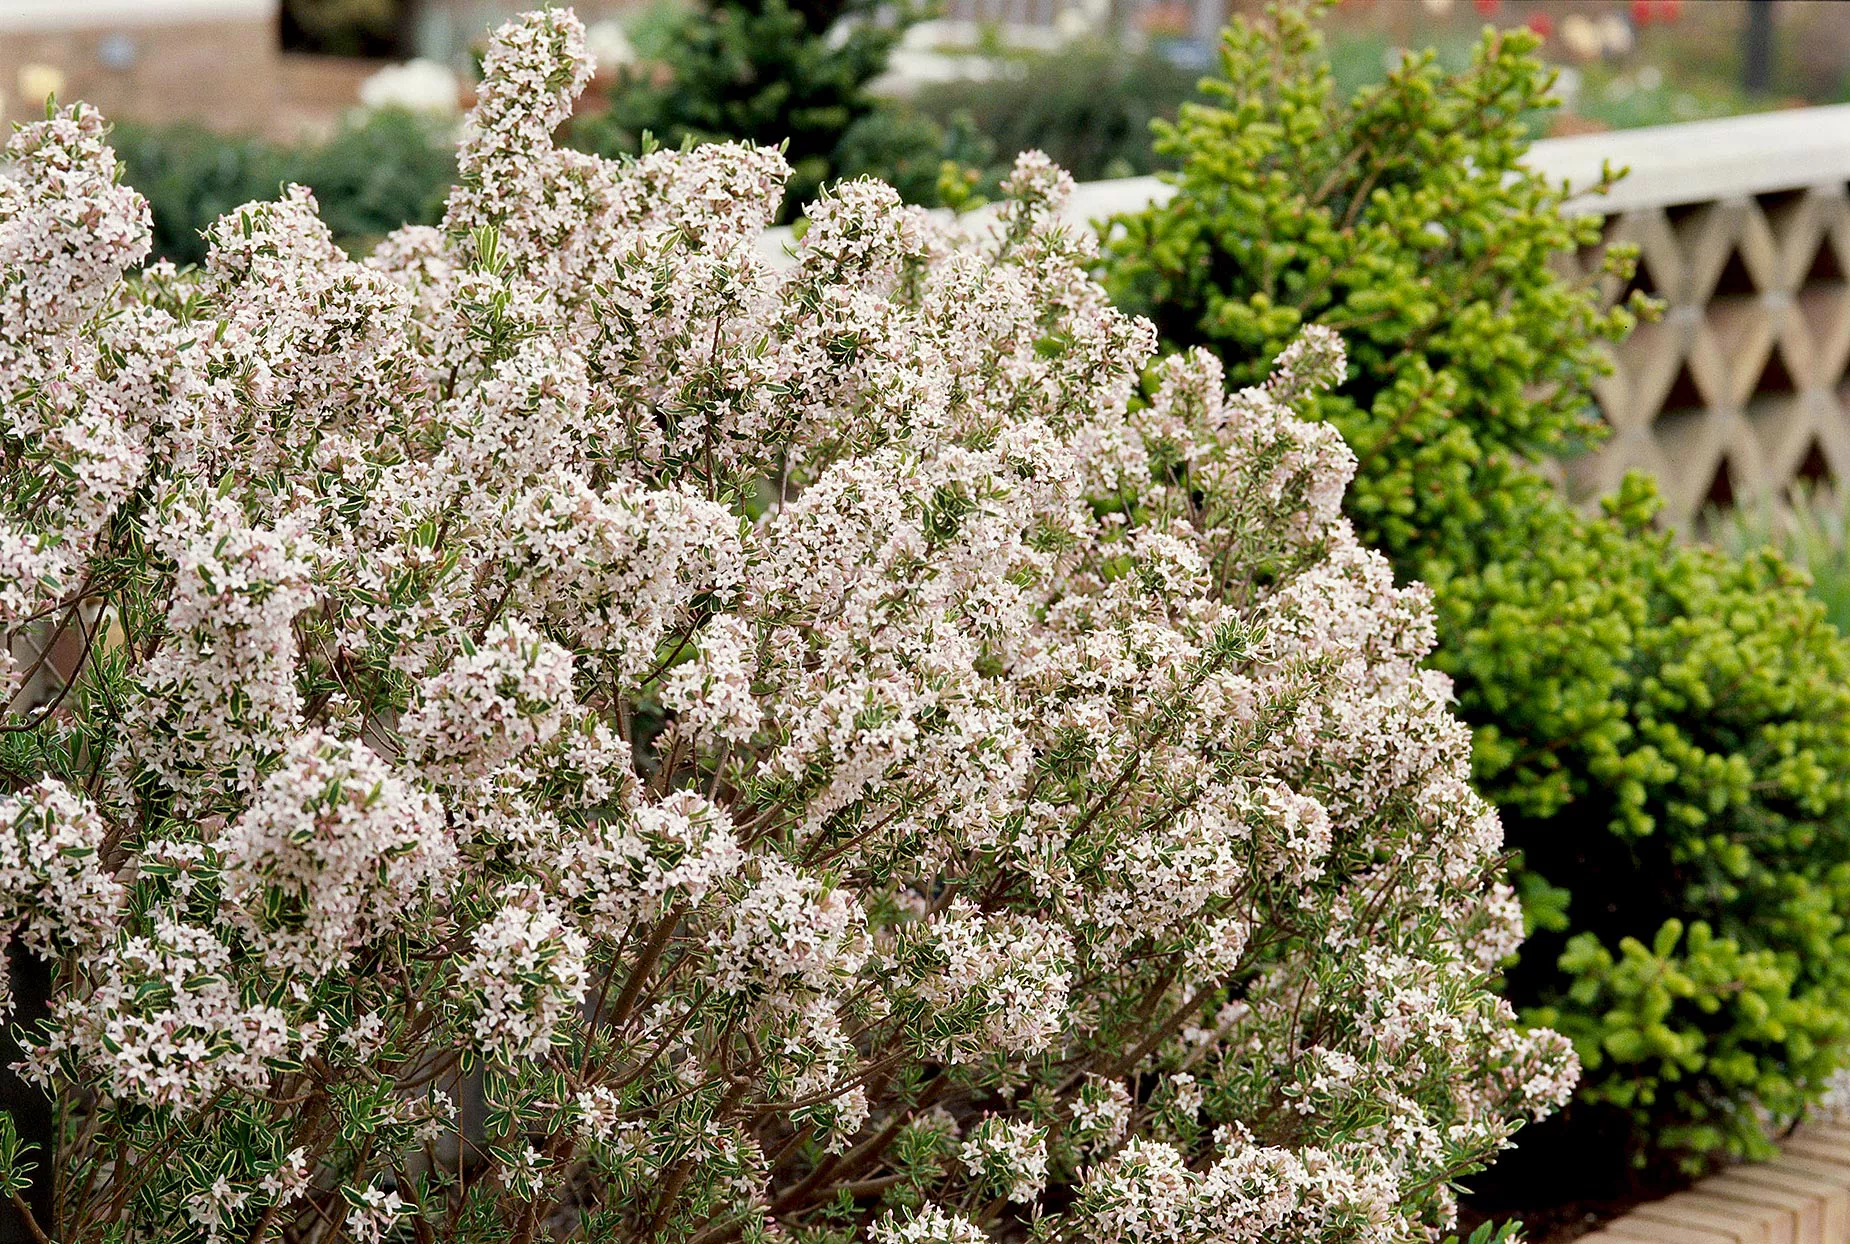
[(790, 72), (1665, 728)]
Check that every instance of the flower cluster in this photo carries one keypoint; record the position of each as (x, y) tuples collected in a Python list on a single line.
[(56, 888), (583, 730), (526, 974), (1007, 1157), (331, 852)]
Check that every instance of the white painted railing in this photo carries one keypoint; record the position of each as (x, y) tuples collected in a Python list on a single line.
[(56, 15)]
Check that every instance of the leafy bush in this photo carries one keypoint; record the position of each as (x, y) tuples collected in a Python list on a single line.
[(388, 169), (1666, 730), (762, 73), (928, 163), (792, 72), (191, 176), (378, 172), (1088, 106), (580, 733)]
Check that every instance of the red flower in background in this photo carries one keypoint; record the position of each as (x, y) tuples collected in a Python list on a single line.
[(1487, 7), (1541, 24)]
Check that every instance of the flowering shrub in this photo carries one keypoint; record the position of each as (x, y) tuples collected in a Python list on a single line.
[(1666, 730), (582, 734)]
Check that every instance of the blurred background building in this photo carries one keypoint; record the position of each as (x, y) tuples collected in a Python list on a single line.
[(218, 61), (283, 67)]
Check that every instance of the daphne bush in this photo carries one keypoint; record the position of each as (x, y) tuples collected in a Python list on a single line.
[(584, 734), (1665, 729)]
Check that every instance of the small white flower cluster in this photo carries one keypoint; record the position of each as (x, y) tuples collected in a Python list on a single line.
[(333, 850), (927, 1225), (218, 698), (416, 86), (167, 1010), (669, 855), (1007, 1157), (583, 733), (788, 931), (524, 977), (494, 702), (55, 893), (1014, 976)]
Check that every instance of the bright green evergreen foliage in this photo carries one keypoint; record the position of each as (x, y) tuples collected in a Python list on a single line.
[(1666, 729), (764, 71)]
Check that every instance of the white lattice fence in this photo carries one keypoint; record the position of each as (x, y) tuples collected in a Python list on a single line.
[(1743, 229)]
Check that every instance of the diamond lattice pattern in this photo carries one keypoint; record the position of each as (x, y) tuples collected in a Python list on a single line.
[(1740, 388)]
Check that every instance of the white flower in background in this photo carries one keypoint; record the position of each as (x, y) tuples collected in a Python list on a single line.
[(609, 46), (1074, 22), (1582, 36), (1567, 86), (416, 86), (1617, 34)]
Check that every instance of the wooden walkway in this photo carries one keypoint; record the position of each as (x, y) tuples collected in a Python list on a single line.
[(1800, 1197)]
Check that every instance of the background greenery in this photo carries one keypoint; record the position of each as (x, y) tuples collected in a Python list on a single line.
[(1089, 106), (381, 170), (1666, 729), (794, 72), (1810, 528)]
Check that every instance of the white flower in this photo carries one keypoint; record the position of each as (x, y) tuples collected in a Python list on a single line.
[(416, 86), (666, 739), (1009, 1156), (333, 849), (608, 46), (525, 973)]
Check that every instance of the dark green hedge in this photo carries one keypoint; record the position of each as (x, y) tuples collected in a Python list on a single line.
[(381, 171), (767, 71), (1088, 106)]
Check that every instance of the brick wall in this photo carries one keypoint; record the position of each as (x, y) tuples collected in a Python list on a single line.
[(214, 62)]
